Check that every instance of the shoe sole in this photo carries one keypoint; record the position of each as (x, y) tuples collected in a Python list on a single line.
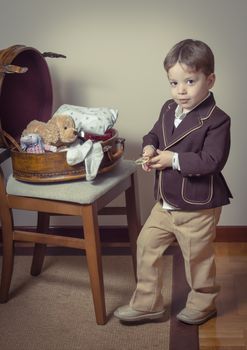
[(150, 316), (198, 321)]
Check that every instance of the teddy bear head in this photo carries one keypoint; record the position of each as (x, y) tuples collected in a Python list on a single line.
[(61, 130)]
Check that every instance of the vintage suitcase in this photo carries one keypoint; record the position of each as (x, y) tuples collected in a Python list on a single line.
[(26, 94)]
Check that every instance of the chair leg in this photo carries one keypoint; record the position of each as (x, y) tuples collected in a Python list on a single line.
[(94, 261), (133, 218), (8, 254), (40, 249)]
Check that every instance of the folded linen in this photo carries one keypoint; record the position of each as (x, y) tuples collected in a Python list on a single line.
[(95, 120)]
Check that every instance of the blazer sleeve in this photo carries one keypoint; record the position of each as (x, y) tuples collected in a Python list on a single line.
[(152, 138)]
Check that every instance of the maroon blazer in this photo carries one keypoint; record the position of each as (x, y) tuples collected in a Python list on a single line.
[(202, 141)]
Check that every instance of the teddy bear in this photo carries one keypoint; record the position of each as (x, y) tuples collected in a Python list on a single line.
[(58, 131)]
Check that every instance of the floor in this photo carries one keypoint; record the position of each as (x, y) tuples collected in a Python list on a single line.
[(229, 330)]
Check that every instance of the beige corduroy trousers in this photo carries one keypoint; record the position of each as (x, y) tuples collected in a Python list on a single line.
[(195, 233)]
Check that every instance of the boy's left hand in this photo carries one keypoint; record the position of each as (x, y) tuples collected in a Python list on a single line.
[(162, 160)]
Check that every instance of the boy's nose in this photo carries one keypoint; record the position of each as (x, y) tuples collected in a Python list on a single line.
[(181, 89)]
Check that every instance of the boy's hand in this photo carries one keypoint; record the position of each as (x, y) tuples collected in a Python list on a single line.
[(161, 161), (148, 152)]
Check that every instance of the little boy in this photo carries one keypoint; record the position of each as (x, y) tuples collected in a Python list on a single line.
[(188, 147)]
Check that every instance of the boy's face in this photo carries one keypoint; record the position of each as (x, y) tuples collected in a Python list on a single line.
[(189, 87)]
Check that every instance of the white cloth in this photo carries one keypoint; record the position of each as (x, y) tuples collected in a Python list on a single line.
[(93, 160), (90, 152), (90, 120), (77, 153)]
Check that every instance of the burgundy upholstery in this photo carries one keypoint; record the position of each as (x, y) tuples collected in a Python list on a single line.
[(27, 96)]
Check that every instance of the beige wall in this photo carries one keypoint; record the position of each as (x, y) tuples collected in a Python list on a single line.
[(115, 51)]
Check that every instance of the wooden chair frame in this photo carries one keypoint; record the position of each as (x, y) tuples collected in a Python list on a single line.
[(90, 243)]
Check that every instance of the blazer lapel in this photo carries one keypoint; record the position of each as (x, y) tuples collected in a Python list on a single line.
[(190, 123), (168, 123)]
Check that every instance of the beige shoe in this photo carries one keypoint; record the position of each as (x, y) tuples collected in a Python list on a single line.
[(195, 317), (126, 313)]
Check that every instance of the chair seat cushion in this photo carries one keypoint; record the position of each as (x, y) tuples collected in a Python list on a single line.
[(80, 191)]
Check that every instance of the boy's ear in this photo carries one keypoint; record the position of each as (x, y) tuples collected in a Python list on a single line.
[(211, 80)]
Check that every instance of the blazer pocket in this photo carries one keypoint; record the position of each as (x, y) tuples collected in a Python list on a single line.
[(197, 189)]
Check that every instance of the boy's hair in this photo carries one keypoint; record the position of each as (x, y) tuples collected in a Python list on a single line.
[(194, 53)]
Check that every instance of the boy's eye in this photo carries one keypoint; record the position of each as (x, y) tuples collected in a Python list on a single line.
[(173, 83), (190, 82)]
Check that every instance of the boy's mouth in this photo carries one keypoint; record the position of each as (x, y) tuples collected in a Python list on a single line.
[(182, 101)]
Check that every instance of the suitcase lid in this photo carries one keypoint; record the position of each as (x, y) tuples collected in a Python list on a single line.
[(25, 94)]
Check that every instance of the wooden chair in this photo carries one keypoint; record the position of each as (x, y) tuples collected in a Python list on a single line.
[(78, 198)]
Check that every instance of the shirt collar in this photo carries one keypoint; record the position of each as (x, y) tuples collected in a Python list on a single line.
[(179, 111)]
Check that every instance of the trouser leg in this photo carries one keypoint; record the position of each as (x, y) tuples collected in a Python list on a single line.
[(154, 238), (195, 232)]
